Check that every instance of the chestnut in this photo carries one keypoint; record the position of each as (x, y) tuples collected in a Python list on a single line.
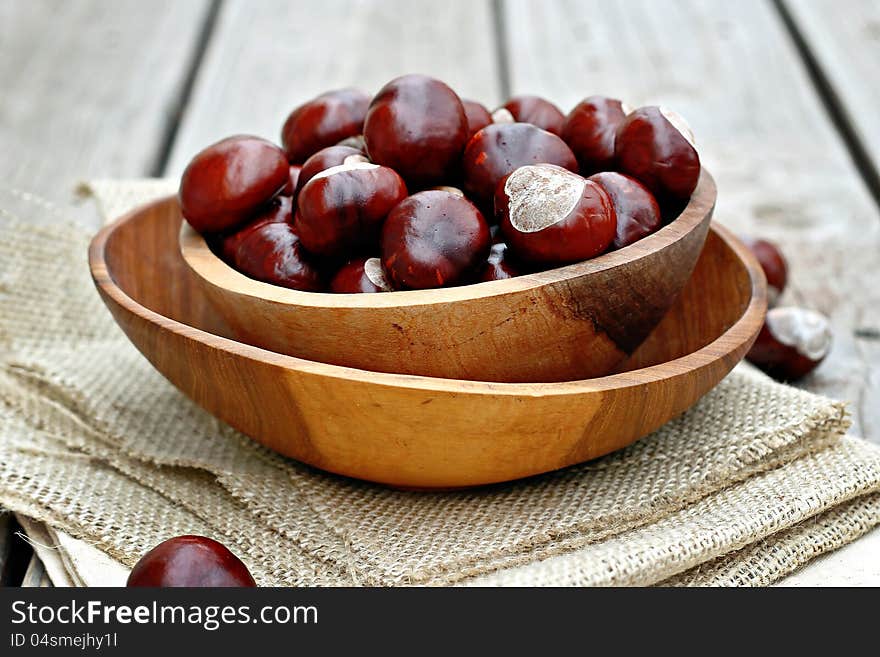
[(656, 147), (341, 209), (324, 159), (360, 275), (223, 184), (774, 265), (417, 126), (498, 265), (638, 214), (537, 111), (551, 216), (502, 115), (190, 561), (792, 342), (292, 181), (478, 117), (322, 122), (272, 252), (278, 211), (498, 149), (356, 141), (433, 239), (589, 130)]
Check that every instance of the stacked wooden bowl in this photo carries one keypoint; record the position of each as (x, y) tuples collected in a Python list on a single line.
[(441, 388)]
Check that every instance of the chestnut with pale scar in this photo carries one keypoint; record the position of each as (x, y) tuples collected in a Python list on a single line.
[(792, 343), (550, 215)]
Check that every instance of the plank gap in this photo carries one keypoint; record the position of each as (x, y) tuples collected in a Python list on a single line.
[(169, 133), (832, 102), (502, 51)]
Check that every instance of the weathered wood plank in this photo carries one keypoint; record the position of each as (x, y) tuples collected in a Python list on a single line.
[(781, 169), (267, 57), (89, 88), (845, 42)]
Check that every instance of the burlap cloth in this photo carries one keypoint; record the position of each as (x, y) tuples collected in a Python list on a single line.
[(754, 481)]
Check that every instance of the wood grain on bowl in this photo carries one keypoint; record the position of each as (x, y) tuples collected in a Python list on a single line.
[(418, 431), (564, 324)]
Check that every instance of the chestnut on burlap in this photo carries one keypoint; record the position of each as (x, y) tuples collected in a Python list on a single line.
[(755, 480)]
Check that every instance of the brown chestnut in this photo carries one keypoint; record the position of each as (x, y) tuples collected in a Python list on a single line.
[(792, 342), (537, 111), (190, 561), (360, 275), (774, 265), (589, 130), (656, 147), (478, 117), (498, 265), (552, 216), (638, 214), (325, 158), (357, 142), (417, 126), (498, 149), (290, 187), (272, 252), (434, 239), (341, 209), (322, 122), (278, 211), (227, 181)]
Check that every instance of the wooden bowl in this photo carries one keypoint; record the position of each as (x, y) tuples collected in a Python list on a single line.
[(417, 431), (574, 322)]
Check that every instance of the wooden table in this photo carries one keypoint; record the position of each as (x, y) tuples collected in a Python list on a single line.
[(782, 96)]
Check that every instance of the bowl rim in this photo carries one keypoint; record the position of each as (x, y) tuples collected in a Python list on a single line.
[(738, 336), (199, 257)]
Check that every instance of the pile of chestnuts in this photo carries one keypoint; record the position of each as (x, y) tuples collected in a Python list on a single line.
[(417, 188)]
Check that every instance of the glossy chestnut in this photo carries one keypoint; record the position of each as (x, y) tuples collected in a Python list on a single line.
[(227, 181), (478, 116), (792, 343), (195, 561), (637, 211), (498, 266), (774, 265), (551, 216), (434, 239), (279, 210), (273, 253), (537, 111), (498, 149), (656, 147), (590, 129), (324, 159), (355, 141), (322, 122), (341, 209), (417, 126), (360, 275)]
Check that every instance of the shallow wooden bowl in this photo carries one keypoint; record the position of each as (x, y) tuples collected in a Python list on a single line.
[(574, 322), (417, 431)]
